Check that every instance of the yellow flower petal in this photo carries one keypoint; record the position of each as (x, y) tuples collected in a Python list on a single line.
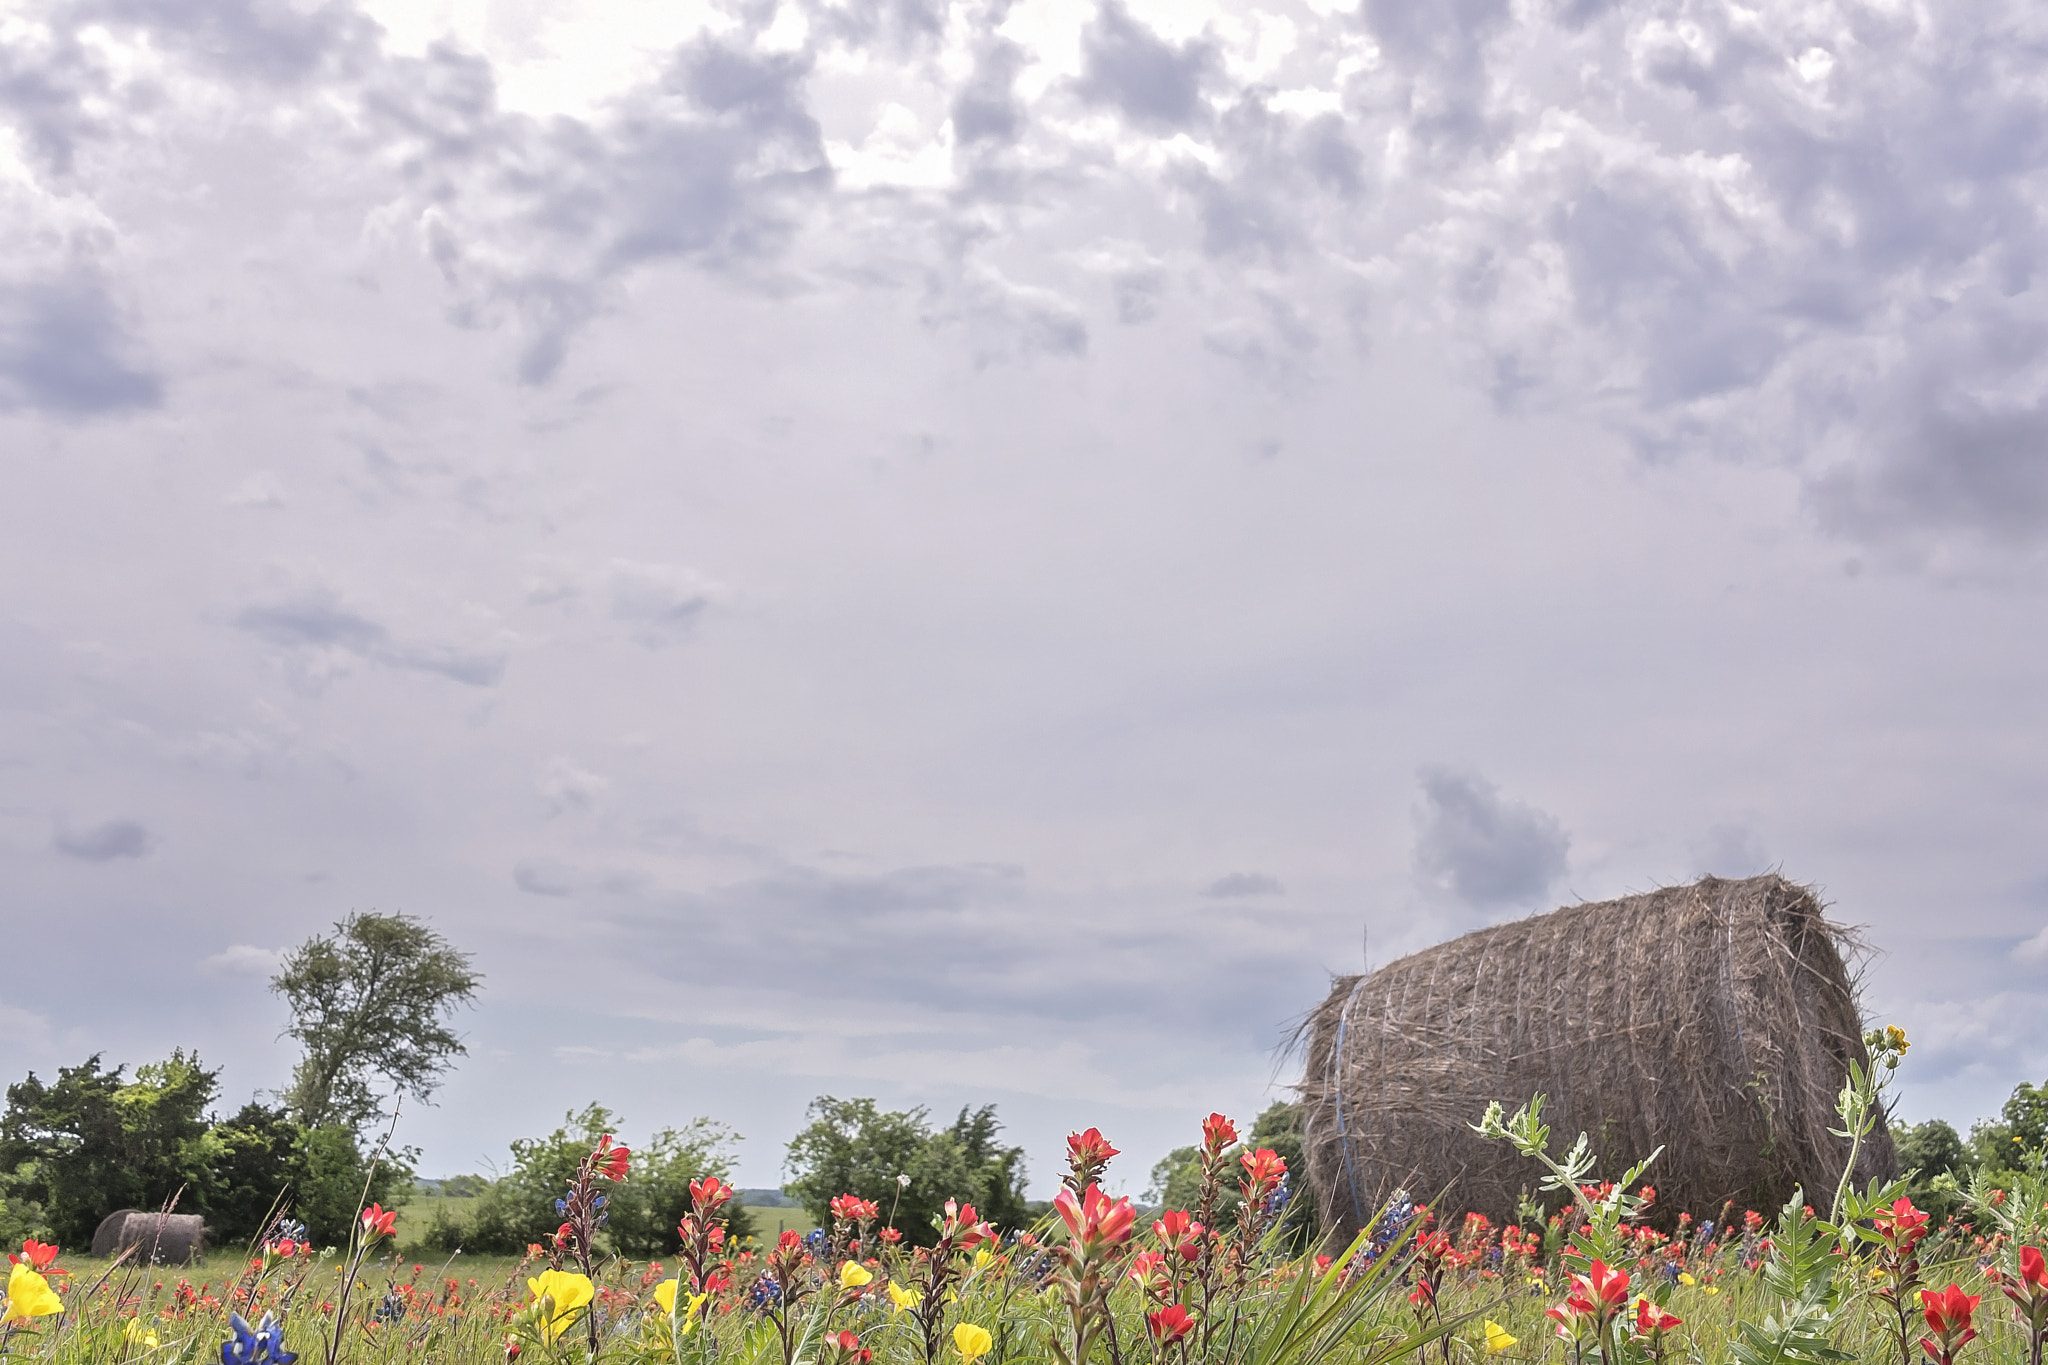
[(1497, 1338), (665, 1296), (853, 1275), (900, 1296), (564, 1291), (971, 1342), (29, 1296), (1685, 1278)]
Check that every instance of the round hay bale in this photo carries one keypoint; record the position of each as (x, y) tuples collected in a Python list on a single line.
[(106, 1238), (165, 1238), (1716, 1020)]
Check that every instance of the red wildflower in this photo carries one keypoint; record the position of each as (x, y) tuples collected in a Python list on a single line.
[(378, 1222), (852, 1208), (1178, 1231), (1217, 1133), (35, 1255), (1148, 1269), (1095, 1222), (710, 1193), (1901, 1225), (963, 1226), (1423, 1295), (1169, 1324), (891, 1236), (1650, 1319), (1262, 1171), (1948, 1322), (611, 1158), (1091, 1147)]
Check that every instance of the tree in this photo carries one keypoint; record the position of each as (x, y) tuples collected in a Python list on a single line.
[(91, 1141), (1933, 1149), (370, 1001), (1176, 1181), (644, 1208), (856, 1147)]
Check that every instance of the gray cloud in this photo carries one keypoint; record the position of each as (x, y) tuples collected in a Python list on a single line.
[(64, 349), (1481, 848), (104, 843), (317, 632), (1238, 884), (1128, 67)]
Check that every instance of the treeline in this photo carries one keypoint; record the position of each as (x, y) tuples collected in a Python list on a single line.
[(95, 1140), (1995, 1149)]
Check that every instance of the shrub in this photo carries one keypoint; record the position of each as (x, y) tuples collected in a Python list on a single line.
[(856, 1147)]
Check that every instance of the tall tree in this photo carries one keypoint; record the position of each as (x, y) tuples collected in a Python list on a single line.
[(371, 1001)]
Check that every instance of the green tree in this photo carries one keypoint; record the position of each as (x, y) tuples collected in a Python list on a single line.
[(371, 1001), (1934, 1149), (644, 1209), (856, 1147), (92, 1142)]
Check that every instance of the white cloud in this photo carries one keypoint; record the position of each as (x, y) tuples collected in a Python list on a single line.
[(2033, 952), (243, 959)]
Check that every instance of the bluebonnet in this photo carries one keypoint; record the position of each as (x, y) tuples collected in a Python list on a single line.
[(265, 1343), (393, 1307)]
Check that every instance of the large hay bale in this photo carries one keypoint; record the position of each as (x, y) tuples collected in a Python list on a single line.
[(106, 1238), (164, 1238), (1716, 1020)]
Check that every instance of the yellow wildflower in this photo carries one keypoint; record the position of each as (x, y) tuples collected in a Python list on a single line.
[(1895, 1038), (1713, 1289), (971, 1342), (900, 1296), (1685, 1278), (983, 1259), (135, 1334), (853, 1275), (1497, 1338), (29, 1296), (560, 1293)]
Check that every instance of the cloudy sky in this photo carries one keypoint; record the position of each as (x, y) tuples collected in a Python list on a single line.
[(976, 550)]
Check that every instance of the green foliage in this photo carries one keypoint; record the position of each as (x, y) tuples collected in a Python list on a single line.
[(1801, 1274), (91, 1141), (249, 1160), (856, 1147), (519, 1209), (371, 1002), (1942, 1162), (332, 1178), (1176, 1178)]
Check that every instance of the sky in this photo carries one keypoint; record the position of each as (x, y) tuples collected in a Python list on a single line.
[(977, 551)]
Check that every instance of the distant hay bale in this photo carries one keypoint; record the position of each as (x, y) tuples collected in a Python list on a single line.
[(106, 1238), (1716, 1020), (164, 1238)]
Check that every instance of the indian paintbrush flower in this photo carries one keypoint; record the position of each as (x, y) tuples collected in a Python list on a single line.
[(1948, 1322), (1169, 1324), (377, 1221)]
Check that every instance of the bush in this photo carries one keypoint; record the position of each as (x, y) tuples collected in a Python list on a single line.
[(855, 1147), (520, 1208)]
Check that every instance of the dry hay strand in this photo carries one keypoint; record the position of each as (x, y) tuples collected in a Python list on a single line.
[(1716, 1020)]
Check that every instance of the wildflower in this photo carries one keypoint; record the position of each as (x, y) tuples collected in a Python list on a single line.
[(135, 1334), (1685, 1278), (1218, 1133), (900, 1297), (1497, 1338), (1095, 1222), (1895, 1038), (35, 1255), (612, 1160), (709, 1193), (971, 1342), (28, 1296), (377, 1222), (1948, 1322), (1179, 1232), (1901, 1225), (845, 1347), (1090, 1147), (1651, 1320), (1169, 1324), (557, 1294), (853, 1209), (891, 1235), (854, 1275), (962, 1226), (265, 1343), (1262, 1171)]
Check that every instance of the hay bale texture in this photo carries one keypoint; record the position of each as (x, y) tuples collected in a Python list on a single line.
[(164, 1238), (1716, 1020)]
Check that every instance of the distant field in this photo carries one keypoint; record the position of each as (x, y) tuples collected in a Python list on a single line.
[(416, 1213)]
